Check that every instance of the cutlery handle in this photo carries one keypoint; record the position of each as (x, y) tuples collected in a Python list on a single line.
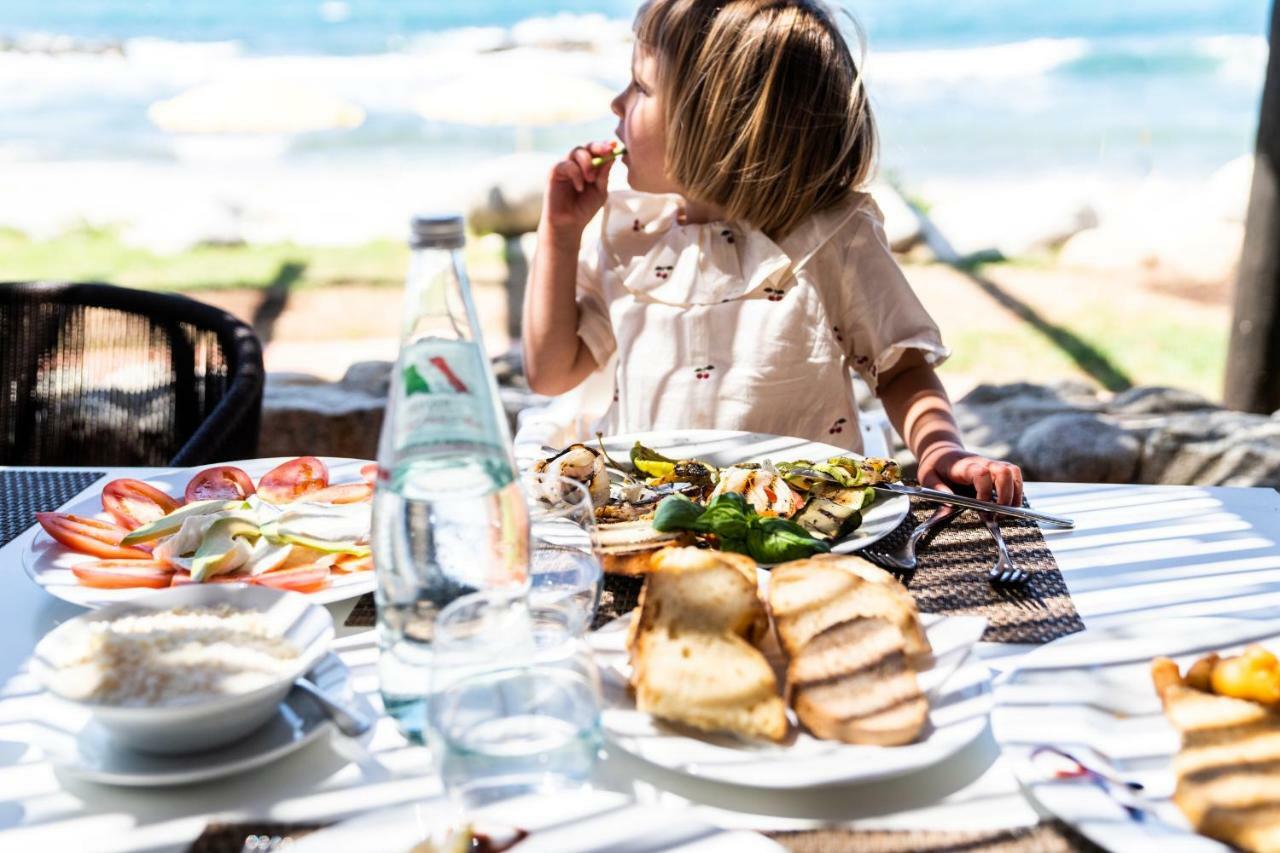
[(936, 496), (940, 516), (993, 526), (349, 721)]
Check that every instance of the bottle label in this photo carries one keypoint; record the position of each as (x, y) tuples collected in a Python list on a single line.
[(444, 400)]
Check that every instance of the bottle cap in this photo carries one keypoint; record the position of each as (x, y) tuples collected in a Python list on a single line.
[(437, 231)]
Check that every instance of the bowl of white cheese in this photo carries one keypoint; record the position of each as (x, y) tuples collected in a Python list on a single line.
[(187, 668)]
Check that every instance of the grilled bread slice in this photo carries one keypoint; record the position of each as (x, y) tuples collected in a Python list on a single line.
[(809, 596), (692, 648), (852, 683), (1228, 769), (625, 547)]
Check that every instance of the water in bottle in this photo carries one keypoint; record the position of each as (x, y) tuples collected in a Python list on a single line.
[(449, 516)]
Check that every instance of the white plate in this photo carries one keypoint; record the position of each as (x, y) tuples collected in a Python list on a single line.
[(49, 564), (93, 757), (958, 688), (1091, 695), (726, 447), (571, 822)]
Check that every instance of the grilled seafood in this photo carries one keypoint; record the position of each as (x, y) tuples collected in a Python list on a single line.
[(581, 463), (765, 490)]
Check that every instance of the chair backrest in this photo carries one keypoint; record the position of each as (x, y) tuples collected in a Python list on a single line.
[(93, 374)]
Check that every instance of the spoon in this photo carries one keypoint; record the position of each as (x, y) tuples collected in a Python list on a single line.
[(349, 721)]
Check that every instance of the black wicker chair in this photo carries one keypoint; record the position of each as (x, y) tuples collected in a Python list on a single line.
[(93, 374)]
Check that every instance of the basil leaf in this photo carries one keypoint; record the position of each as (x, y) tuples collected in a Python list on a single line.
[(777, 540), (677, 513)]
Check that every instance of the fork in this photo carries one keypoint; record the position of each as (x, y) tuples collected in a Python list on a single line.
[(904, 557), (1003, 571)]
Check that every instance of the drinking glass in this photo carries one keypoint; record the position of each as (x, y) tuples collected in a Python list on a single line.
[(565, 576), (510, 715)]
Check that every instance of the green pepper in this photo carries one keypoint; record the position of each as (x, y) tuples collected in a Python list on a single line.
[(651, 463)]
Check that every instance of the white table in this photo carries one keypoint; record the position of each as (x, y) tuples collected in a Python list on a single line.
[(1137, 552)]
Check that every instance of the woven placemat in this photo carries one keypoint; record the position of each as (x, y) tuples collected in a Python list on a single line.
[(951, 577), (364, 614), (1049, 837), (24, 493)]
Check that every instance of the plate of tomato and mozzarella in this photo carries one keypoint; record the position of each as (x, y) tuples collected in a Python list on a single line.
[(83, 553)]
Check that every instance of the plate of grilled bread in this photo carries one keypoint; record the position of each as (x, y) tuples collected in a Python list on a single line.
[(1156, 735), (817, 672)]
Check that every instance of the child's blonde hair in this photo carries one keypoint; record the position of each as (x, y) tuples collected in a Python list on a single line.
[(766, 113)]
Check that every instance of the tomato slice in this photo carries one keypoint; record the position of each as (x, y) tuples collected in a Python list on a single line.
[(293, 480), (183, 578), (223, 483), (304, 579), (349, 564), (369, 473), (346, 493), (133, 503), (123, 574), (89, 536)]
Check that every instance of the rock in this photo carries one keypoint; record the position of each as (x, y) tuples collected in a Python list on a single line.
[(1198, 249), (901, 223), (279, 379), (322, 420), (993, 417), (1215, 447), (1078, 448), (371, 377), (511, 201), (1010, 227), (1155, 400)]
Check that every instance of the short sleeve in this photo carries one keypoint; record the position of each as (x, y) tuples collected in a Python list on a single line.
[(594, 326), (880, 318)]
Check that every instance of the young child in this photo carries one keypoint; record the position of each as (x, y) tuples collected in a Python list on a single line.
[(745, 276)]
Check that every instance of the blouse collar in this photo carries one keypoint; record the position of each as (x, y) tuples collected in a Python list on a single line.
[(664, 261)]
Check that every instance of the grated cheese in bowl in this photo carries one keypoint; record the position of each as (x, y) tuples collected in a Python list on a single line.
[(180, 656)]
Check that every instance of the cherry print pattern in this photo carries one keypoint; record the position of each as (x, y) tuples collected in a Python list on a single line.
[(727, 235), (838, 426), (663, 272), (703, 372), (636, 226), (839, 335), (774, 294)]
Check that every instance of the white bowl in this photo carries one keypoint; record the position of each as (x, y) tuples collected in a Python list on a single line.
[(211, 723)]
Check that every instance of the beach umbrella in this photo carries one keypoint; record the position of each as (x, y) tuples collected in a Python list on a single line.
[(254, 107), (523, 97)]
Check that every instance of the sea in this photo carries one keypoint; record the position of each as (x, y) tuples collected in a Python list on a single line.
[(1006, 89)]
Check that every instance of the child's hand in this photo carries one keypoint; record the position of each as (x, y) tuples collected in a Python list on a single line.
[(576, 190), (942, 467)]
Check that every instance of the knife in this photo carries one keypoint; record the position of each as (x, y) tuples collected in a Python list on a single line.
[(935, 496)]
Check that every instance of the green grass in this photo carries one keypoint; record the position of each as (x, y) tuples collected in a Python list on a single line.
[(1154, 351), (98, 254)]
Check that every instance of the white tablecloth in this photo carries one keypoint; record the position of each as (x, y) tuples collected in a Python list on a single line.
[(1137, 552)]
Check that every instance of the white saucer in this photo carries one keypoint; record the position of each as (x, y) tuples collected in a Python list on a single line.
[(93, 757)]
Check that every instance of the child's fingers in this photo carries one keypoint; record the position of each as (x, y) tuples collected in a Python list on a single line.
[(582, 156), (601, 149), (983, 483), (1006, 483), (569, 170)]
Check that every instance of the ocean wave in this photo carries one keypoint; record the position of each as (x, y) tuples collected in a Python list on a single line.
[(990, 62), (1233, 57)]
